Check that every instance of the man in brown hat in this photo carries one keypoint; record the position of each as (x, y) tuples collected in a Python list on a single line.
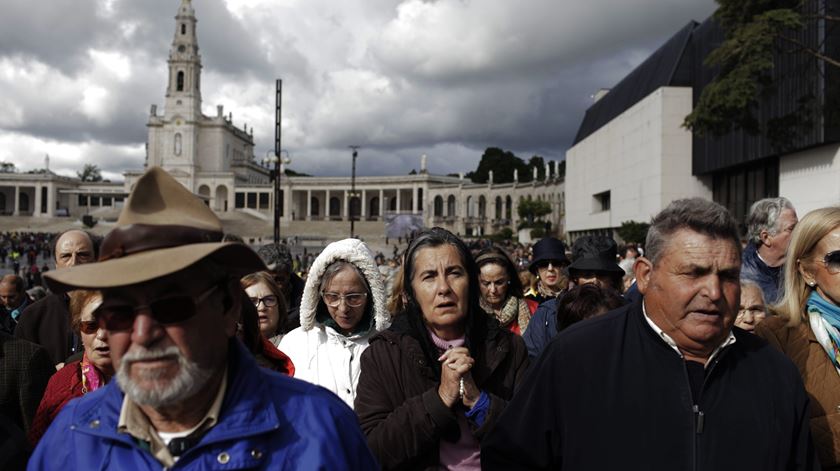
[(186, 390)]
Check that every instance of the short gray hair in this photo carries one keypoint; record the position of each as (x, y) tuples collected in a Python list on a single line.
[(696, 214), (748, 283), (764, 216)]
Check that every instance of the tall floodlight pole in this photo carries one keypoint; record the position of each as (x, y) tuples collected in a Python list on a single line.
[(277, 164), (353, 190)]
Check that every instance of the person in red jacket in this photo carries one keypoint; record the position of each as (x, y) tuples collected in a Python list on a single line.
[(82, 376)]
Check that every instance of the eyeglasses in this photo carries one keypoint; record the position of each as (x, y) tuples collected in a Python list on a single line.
[(832, 262), (268, 301), (546, 263), (165, 311), (352, 299), (89, 327)]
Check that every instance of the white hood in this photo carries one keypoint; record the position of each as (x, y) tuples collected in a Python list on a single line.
[(357, 253)]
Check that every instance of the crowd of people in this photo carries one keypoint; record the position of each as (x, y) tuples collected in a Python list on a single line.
[(170, 344)]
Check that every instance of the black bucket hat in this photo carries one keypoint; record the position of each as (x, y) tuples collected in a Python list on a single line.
[(594, 253), (546, 249)]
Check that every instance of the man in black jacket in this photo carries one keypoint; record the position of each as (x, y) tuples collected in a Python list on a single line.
[(665, 383), (47, 321)]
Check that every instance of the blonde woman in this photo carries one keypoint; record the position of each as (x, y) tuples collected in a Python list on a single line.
[(807, 328)]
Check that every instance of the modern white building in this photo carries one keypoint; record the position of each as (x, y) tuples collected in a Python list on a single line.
[(632, 156)]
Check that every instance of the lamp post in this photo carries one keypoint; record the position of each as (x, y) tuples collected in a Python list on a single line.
[(353, 190), (276, 172)]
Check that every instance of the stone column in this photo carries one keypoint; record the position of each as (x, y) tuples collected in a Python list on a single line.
[(381, 205), (288, 196), (308, 205), (345, 216), (363, 216), (399, 207), (16, 211), (414, 203), (37, 209), (52, 194), (326, 212)]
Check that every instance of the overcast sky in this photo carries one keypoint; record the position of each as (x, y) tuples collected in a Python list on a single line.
[(400, 78)]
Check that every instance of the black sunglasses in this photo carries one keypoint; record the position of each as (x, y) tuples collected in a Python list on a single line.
[(832, 262), (165, 311)]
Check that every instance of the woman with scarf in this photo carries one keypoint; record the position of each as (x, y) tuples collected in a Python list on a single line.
[(501, 290), (79, 377), (343, 305), (807, 327), (548, 264), (435, 382)]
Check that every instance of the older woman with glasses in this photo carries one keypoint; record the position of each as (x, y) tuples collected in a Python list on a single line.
[(343, 305), (79, 377), (435, 382), (752, 309), (267, 297), (807, 327)]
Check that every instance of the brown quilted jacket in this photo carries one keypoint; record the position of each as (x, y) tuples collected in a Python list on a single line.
[(821, 381)]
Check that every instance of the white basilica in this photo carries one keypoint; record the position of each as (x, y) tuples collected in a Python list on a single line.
[(215, 160)]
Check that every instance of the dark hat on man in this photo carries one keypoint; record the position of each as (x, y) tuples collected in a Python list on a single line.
[(594, 253), (547, 249), (162, 229)]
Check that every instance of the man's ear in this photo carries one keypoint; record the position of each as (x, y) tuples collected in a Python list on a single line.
[(764, 237), (642, 269)]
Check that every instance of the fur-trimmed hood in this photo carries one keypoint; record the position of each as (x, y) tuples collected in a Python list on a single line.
[(357, 253)]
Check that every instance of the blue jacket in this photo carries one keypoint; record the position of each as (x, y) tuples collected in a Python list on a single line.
[(769, 279), (268, 421), (542, 328)]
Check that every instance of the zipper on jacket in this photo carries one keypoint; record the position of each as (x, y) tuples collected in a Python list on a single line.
[(698, 420), (694, 409)]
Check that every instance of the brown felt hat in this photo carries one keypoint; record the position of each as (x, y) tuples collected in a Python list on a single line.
[(162, 229)]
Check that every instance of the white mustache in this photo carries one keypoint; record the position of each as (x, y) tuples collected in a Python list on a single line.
[(143, 354)]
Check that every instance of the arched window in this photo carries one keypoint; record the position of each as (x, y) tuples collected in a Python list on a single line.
[(508, 207), (178, 148), (355, 207), (482, 207), (450, 206), (335, 207), (183, 28), (374, 206), (315, 205), (498, 207), (23, 204), (179, 82), (438, 206)]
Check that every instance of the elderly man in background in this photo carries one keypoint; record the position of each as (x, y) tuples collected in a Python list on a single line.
[(665, 382), (47, 321), (769, 226), (14, 299), (187, 392), (278, 259)]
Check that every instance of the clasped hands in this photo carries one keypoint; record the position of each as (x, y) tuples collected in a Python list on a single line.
[(456, 364)]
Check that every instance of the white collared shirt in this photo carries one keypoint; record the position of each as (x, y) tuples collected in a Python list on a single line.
[(730, 339)]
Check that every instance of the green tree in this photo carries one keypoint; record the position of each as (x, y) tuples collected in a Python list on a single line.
[(756, 33), (90, 173), (531, 210), (633, 231), (502, 163)]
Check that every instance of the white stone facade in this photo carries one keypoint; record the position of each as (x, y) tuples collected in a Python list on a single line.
[(811, 179), (632, 167)]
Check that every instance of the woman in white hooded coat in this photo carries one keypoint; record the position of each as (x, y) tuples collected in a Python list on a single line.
[(343, 305)]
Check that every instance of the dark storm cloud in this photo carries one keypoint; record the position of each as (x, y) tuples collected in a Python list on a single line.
[(400, 77)]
